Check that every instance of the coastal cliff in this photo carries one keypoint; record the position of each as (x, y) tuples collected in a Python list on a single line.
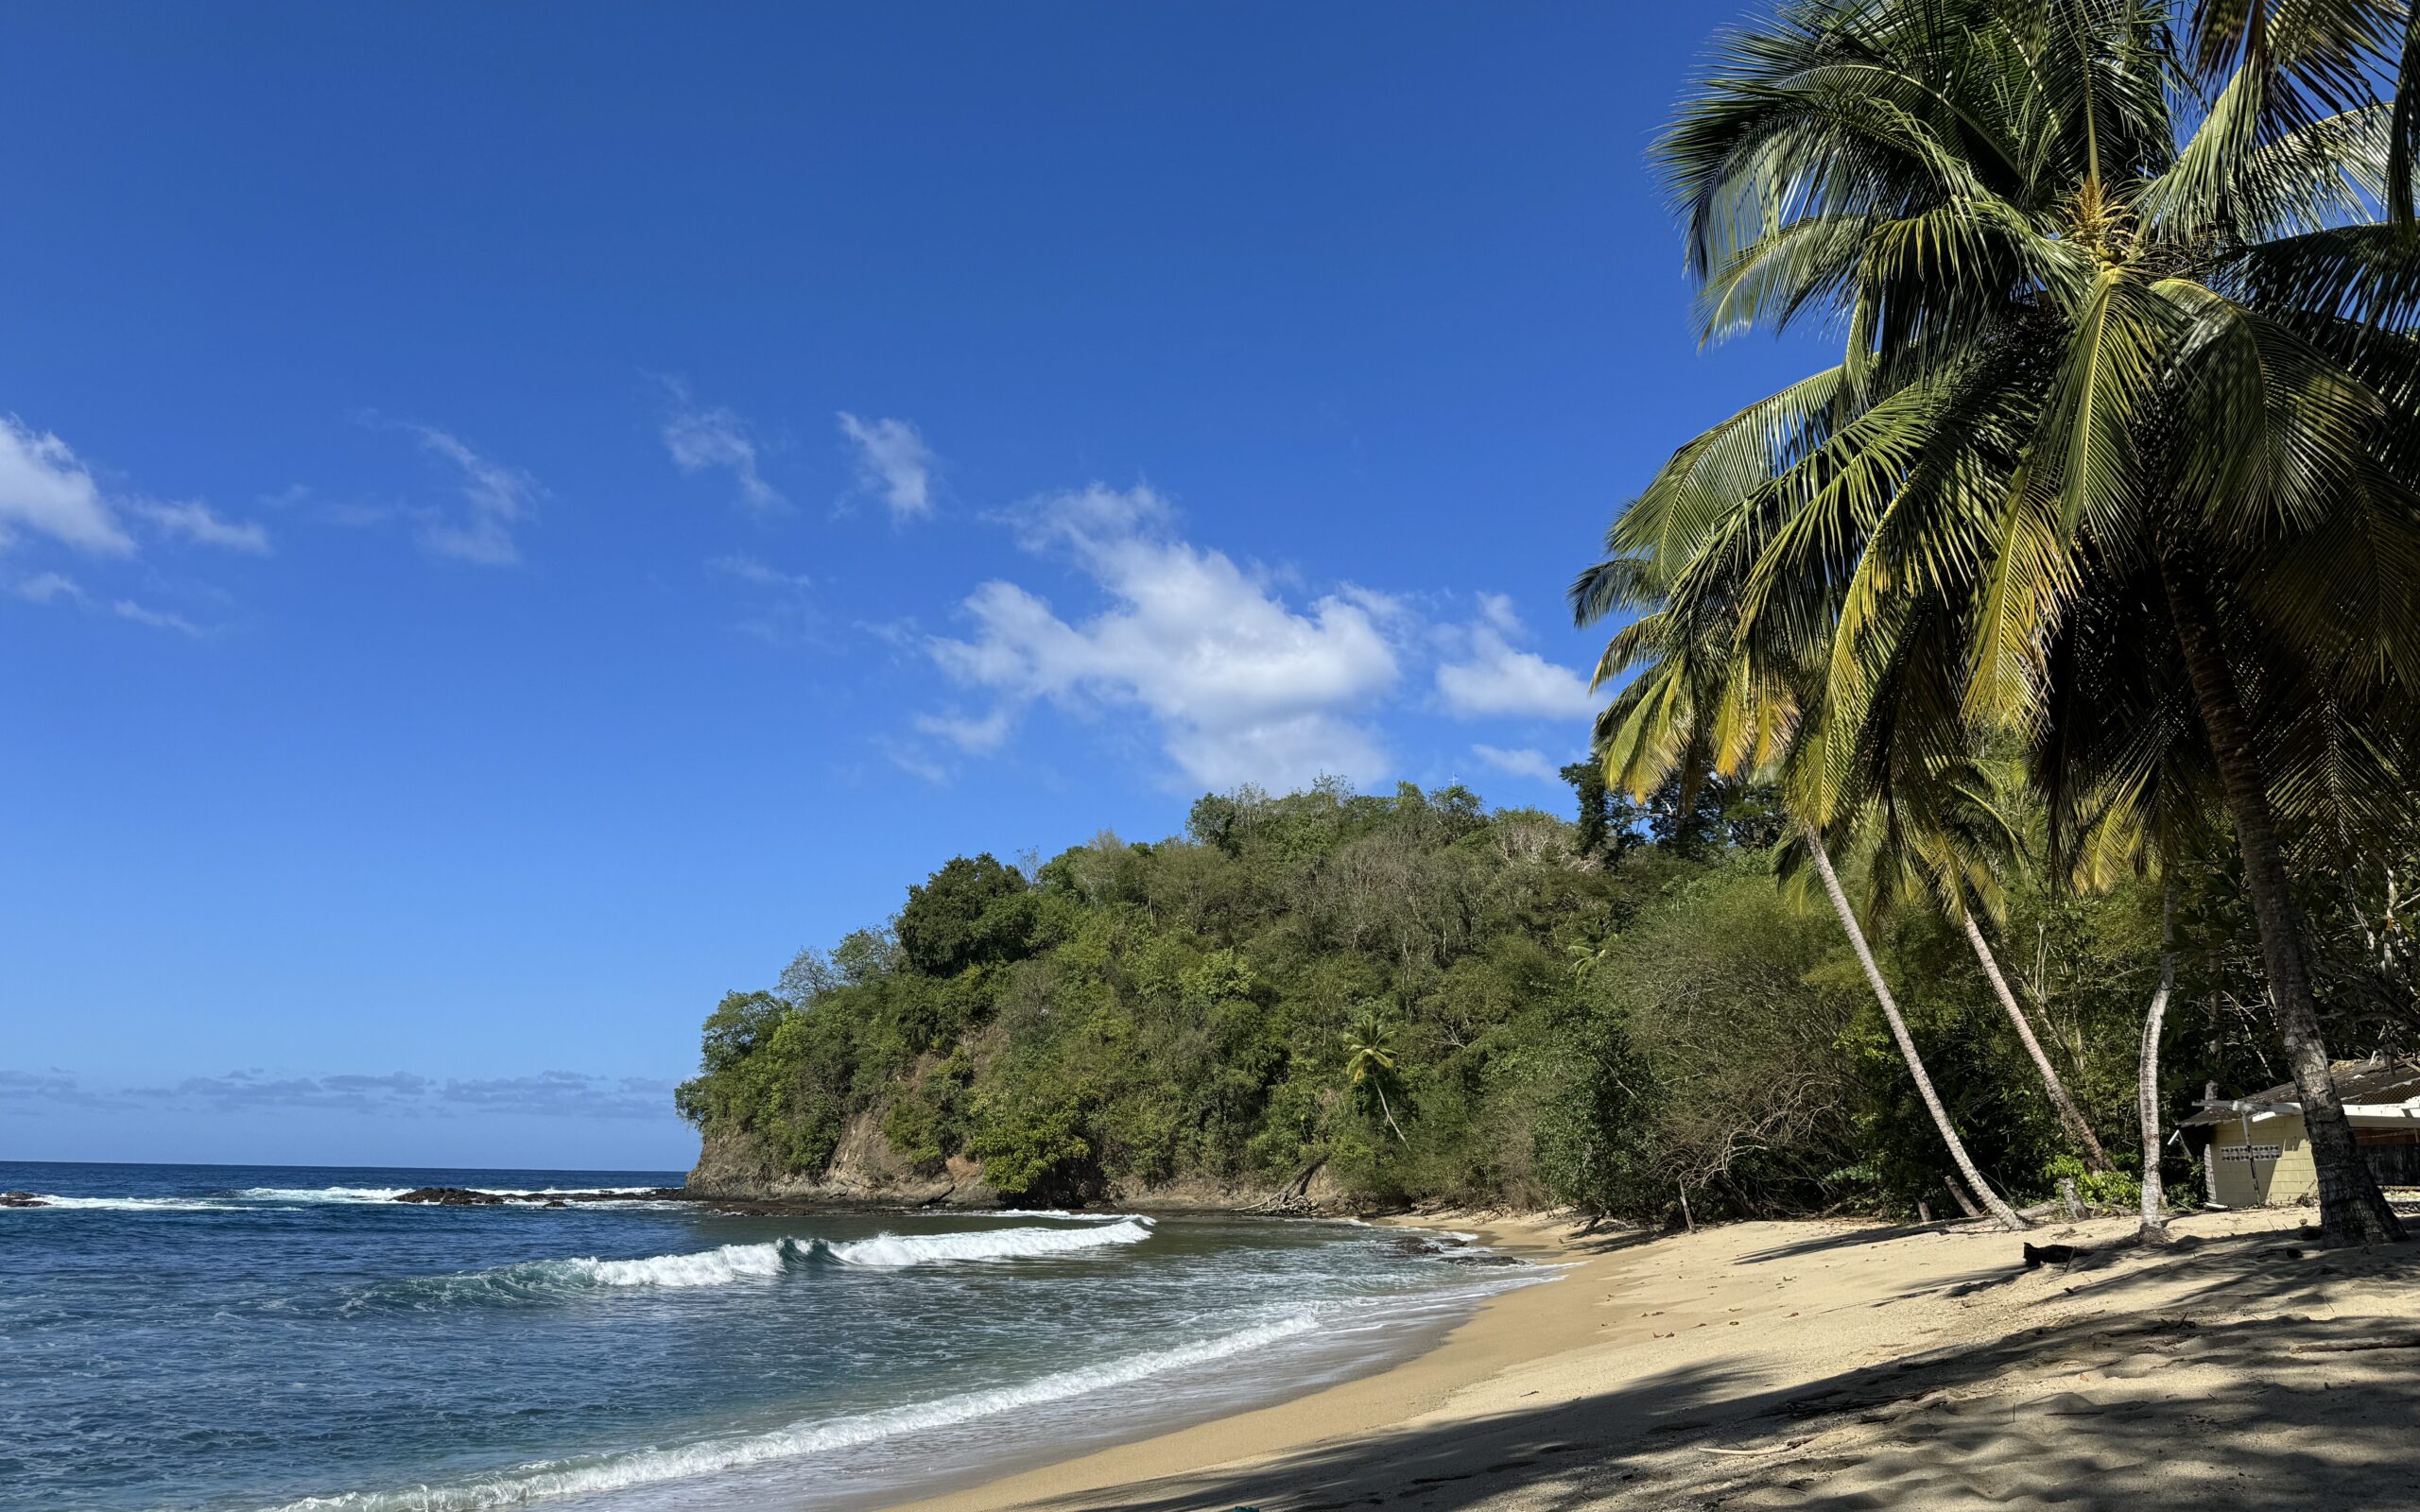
[(866, 1170)]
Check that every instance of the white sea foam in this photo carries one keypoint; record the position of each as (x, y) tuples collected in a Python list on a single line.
[(231, 1201), (711, 1267), (126, 1204), (892, 1251), (321, 1194), (552, 1478)]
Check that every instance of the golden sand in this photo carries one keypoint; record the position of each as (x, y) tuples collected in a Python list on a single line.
[(1845, 1366)]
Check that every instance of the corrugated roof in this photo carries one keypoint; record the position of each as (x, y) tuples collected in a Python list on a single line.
[(2357, 1081)]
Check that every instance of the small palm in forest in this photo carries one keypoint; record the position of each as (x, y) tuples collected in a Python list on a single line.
[(1370, 1066)]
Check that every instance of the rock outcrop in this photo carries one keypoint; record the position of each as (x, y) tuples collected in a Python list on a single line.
[(866, 1171), (471, 1198)]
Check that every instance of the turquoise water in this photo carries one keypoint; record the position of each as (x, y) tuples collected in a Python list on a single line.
[(238, 1339)]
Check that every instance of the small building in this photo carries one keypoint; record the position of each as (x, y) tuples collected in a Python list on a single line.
[(2254, 1152)]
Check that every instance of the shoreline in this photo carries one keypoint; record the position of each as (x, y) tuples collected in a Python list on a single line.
[(1508, 1328), (1822, 1363)]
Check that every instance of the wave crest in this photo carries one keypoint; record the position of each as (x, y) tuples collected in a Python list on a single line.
[(895, 1251)]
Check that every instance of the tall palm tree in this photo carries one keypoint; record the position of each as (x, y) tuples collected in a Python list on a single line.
[(1370, 1065), (1958, 854), (1694, 703), (2127, 345)]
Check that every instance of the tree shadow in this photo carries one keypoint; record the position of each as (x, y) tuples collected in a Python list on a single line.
[(1949, 1426)]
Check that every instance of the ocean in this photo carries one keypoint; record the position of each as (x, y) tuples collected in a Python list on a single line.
[(287, 1338)]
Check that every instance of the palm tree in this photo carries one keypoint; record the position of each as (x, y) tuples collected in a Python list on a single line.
[(1370, 1065), (1957, 852), (2127, 345), (1694, 703)]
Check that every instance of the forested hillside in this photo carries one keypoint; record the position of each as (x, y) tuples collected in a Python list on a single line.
[(1414, 997)]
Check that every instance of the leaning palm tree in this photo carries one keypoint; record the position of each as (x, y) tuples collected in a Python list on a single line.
[(2127, 344), (1693, 703), (1370, 1065), (1958, 850)]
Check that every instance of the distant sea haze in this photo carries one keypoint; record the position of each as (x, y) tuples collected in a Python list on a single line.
[(276, 1339)]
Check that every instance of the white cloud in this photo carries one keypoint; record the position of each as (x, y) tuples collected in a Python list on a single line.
[(58, 588), (1493, 679), (199, 523), (1242, 687), (498, 498), (49, 587), (914, 763), (699, 437), (976, 736), (892, 461), (749, 570), (126, 609), (44, 489), (1524, 762), (778, 609)]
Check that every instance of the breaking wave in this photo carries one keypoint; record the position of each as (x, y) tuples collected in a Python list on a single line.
[(610, 1473), (237, 1201), (541, 1279), (892, 1251), (124, 1204)]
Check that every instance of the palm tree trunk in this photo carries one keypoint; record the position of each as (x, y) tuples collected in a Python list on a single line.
[(2153, 1229), (2352, 1210), (1390, 1115), (1991, 1200), (2069, 1114)]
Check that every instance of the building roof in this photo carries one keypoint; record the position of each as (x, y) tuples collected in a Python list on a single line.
[(2375, 1081)]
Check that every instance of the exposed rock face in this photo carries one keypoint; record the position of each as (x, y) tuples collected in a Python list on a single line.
[(21, 1199), (865, 1169)]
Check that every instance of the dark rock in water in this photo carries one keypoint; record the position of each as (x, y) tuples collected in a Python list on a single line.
[(1457, 1252), (469, 1198), (21, 1199)]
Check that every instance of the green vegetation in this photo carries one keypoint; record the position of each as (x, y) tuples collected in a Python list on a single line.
[(2017, 713), (2115, 477), (1443, 1002)]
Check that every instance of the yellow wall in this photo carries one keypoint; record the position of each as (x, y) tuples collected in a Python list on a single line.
[(2253, 1183)]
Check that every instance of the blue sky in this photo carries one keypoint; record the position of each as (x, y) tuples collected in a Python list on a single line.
[(513, 520)]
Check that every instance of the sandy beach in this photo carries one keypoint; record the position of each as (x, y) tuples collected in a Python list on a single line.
[(1824, 1365)]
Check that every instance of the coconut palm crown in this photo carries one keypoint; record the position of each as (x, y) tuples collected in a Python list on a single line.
[(2118, 463)]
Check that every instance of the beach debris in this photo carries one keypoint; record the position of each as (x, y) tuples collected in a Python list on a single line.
[(2037, 1256)]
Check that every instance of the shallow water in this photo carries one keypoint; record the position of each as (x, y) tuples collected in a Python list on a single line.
[(234, 1339)]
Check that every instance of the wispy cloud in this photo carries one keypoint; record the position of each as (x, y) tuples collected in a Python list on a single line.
[(543, 1094), (495, 499), (157, 619), (894, 463), (1525, 762), (58, 588), (705, 436), (1492, 678), (51, 587), (778, 607), (975, 736), (1243, 686), (46, 489), (200, 524), (30, 1092)]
